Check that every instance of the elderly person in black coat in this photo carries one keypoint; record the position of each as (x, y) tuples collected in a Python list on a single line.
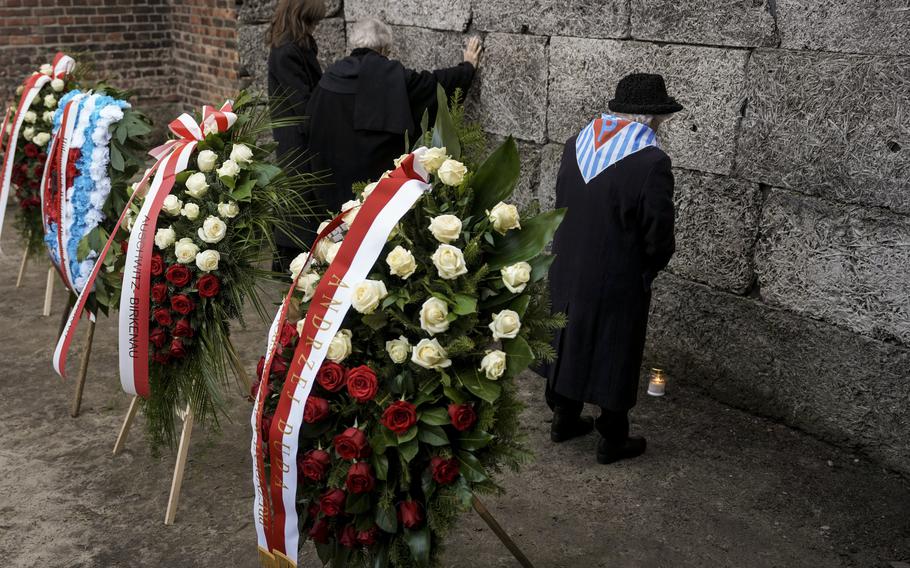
[(366, 105), (617, 235)]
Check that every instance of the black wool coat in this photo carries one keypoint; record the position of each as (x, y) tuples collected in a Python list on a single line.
[(617, 235), (360, 114), (294, 72)]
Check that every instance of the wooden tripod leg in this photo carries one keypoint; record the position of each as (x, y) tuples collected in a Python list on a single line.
[(22, 266), (177, 481), (127, 423), (48, 292), (83, 369), (498, 530)]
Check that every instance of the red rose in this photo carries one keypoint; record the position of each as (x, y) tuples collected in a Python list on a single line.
[(124, 245), (445, 471), (42, 157), (314, 465), (348, 537), (279, 366), (178, 275), (33, 184), (39, 170), (31, 150), (178, 351), (159, 292), (368, 537), (182, 304), (362, 383), (260, 367), (313, 510), (316, 408), (332, 502), (71, 171), (30, 203), (23, 168), (265, 425), (331, 376), (462, 416), (288, 335), (254, 389), (208, 286), (162, 316), (360, 478), (157, 264), (410, 513), (352, 444), (320, 531), (399, 416), (158, 337), (183, 328), (161, 358)]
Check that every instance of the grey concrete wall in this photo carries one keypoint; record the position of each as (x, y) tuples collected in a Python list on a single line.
[(789, 293)]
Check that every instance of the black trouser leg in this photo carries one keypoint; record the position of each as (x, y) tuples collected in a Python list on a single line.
[(562, 405), (613, 425)]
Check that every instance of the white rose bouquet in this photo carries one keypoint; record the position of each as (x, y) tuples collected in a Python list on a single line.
[(421, 380)]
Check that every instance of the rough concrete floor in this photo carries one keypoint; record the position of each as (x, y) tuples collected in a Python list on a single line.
[(717, 488)]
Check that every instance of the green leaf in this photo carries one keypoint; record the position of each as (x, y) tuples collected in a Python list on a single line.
[(445, 133), (325, 552), (419, 543), (180, 179), (357, 503), (121, 133), (386, 519), (475, 440), (470, 467), (380, 465), (117, 158), (496, 178), (529, 241), (381, 560), (376, 320), (426, 483), (464, 304), (265, 173), (244, 191), (228, 181), (409, 451), (408, 436), (433, 435), (435, 417), (464, 493), (480, 387), (520, 305), (454, 395), (83, 249), (540, 266), (518, 355), (383, 439)]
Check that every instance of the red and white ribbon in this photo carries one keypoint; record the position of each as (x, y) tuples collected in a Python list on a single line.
[(275, 512), (63, 65)]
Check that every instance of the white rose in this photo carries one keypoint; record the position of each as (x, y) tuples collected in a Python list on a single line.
[(207, 260), (50, 101), (369, 189), (433, 158), (449, 261), (46, 69), (434, 316), (331, 251), (206, 160), (190, 211), (228, 169), (172, 205), (354, 207), (28, 133), (297, 264), (165, 237), (401, 262), (386, 174), (185, 250), (398, 349), (505, 325), (452, 172), (30, 117), (429, 354), (323, 246), (493, 364), (58, 85), (228, 210), (504, 217), (41, 138), (516, 276), (446, 228), (241, 154), (48, 117), (367, 295), (400, 159), (340, 346), (212, 230), (307, 284), (196, 186)]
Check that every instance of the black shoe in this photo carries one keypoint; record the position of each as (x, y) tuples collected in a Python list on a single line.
[(631, 448), (563, 429)]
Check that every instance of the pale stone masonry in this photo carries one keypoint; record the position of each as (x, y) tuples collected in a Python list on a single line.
[(789, 294)]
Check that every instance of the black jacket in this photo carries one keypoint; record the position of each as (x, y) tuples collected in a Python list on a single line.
[(617, 235), (361, 111)]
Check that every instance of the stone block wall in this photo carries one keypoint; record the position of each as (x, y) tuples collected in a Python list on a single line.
[(789, 292)]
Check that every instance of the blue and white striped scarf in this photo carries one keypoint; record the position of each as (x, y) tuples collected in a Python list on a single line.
[(607, 140)]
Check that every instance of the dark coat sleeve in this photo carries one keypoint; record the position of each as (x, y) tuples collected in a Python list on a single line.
[(657, 218), (295, 72), (421, 86)]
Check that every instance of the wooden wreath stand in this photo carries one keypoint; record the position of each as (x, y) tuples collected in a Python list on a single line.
[(49, 287), (183, 447)]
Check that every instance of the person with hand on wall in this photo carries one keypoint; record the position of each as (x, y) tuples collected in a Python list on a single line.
[(618, 234), (366, 106), (294, 72)]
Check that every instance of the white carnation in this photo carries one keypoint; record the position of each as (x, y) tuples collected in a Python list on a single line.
[(42, 138), (28, 133), (58, 85), (30, 117), (50, 101), (46, 69)]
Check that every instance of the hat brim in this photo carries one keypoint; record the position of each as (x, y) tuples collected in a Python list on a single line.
[(668, 107)]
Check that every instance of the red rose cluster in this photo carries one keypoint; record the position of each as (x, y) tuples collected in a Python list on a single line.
[(26, 177), (176, 292)]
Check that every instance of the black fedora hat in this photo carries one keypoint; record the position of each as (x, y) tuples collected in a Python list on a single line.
[(643, 93)]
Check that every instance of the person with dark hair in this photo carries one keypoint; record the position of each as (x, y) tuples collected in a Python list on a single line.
[(366, 106), (294, 72), (618, 234)]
